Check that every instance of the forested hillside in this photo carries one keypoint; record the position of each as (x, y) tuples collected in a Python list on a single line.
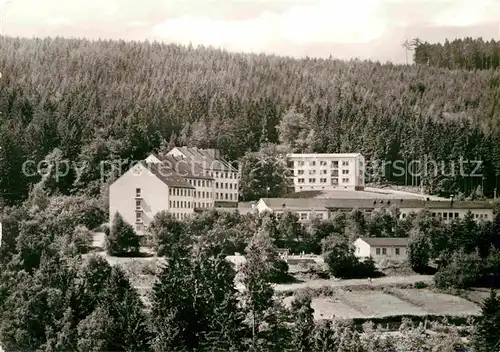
[(468, 53), (105, 100)]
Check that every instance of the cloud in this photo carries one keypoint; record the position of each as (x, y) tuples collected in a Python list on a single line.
[(58, 21), (463, 13), (325, 21), (137, 24)]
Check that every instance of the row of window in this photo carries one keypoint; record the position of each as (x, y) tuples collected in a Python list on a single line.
[(183, 192), (180, 216), (225, 185), (226, 196), (230, 175), (323, 172), (305, 216), (180, 204), (203, 194), (450, 216), (200, 183), (202, 205), (383, 250), (333, 181), (333, 163)]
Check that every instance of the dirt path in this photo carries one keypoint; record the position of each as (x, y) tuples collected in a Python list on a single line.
[(388, 280)]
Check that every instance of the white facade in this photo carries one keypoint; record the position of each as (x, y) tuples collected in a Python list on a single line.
[(226, 185), (304, 214), (327, 171), (307, 208), (226, 178), (448, 214), (382, 248), (204, 195), (140, 193)]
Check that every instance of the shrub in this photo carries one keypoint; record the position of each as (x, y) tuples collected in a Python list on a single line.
[(82, 239), (279, 272), (463, 271), (343, 263), (166, 232), (121, 239), (78, 242), (420, 285)]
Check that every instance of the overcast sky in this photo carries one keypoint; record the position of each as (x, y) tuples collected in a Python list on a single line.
[(368, 29)]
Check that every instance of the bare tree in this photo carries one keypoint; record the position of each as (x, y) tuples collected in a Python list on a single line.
[(410, 45)]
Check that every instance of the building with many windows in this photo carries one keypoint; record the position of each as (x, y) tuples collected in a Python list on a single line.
[(226, 177), (147, 189), (308, 208), (193, 174), (327, 171)]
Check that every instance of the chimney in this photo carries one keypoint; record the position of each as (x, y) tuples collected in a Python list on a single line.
[(451, 200)]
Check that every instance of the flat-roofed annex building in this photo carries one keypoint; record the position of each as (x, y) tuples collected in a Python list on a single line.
[(307, 208), (147, 189), (226, 176), (327, 171), (193, 174)]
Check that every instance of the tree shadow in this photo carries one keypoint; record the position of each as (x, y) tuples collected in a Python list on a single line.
[(134, 255), (426, 270)]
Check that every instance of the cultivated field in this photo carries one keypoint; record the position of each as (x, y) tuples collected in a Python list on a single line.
[(437, 303), (346, 303), (379, 282)]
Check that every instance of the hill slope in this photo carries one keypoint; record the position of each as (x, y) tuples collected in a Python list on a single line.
[(107, 100)]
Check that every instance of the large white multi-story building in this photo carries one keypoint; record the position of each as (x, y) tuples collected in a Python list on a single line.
[(147, 189), (193, 174), (226, 177), (323, 172), (182, 182)]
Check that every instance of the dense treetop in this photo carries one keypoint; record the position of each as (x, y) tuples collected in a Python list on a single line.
[(105, 100), (467, 53)]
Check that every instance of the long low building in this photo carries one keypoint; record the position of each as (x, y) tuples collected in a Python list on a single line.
[(323, 208)]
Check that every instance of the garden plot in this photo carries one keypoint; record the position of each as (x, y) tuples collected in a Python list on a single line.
[(438, 303), (330, 307), (375, 304)]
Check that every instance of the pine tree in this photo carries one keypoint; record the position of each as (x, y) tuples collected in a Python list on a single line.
[(487, 337), (126, 311), (122, 239), (174, 317), (257, 273), (303, 314)]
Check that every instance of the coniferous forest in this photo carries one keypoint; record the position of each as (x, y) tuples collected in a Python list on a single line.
[(89, 101), (467, 53)]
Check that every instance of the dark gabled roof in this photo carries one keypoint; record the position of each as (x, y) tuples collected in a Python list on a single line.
[(166, 175), (346, 203), (386, 241), (183, 167), (206, 160)]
